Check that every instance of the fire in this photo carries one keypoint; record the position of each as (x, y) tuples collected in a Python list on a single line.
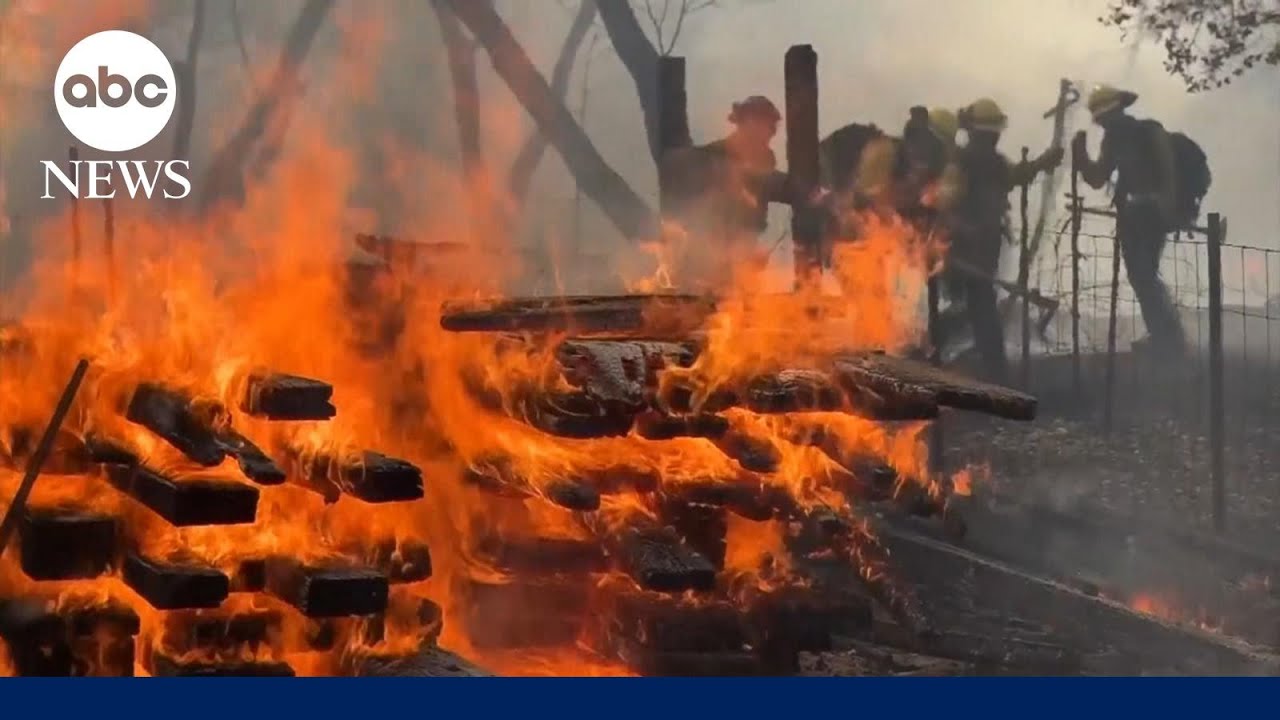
[(203, 304)]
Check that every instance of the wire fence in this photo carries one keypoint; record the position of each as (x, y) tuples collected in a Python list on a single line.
[(1216, 410)]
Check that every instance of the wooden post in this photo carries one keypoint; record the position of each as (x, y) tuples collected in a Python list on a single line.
[(1109, 400), (1076, 206), (1024, 282), (936, 340), (800, 69), (73, 161), (1217, 417)]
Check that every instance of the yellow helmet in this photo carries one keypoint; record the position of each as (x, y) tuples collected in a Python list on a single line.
[(943, 124), (1105, 98), (984, 114)]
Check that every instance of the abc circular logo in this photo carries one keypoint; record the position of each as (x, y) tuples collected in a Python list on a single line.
[(115, 91)]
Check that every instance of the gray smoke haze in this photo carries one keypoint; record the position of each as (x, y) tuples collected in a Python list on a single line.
[(876, 59)]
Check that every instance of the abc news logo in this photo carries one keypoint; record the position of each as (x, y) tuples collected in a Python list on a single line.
[(115, 92)]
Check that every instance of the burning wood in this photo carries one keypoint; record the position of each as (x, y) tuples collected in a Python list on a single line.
[(164, 666), (252, 461), (371, 477), (673, 315), (66, 544), (495, 475), (189, 501), (658, 560), (402, 561), (169, 414), (538, 555), (276, 396), (336, 590), (86, 641), (177, 584), (888, 376)]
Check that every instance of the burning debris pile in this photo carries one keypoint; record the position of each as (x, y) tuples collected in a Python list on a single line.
[(626, 505), (150, 498), (693, 498)]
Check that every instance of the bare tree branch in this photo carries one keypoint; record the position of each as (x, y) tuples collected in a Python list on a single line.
[(225, 178), (526, 162), (186, 71), (466, 92), (628, 212)]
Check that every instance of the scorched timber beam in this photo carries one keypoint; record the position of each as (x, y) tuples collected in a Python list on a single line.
[(189, 501), (277, 396), (327, 591), (253, 462), (657, 314), (164, 666), (495, 476), (186, 584), (373, 477), (889, 376), (168, 414), (658, 560), (66, 544)]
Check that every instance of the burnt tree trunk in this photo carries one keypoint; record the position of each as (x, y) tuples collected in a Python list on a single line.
[(225, 178), (186, 72), (628, 211), (640, 58), (531, 152)]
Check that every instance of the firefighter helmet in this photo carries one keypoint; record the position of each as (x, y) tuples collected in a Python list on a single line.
[(943, 124), (984, 114), (1105, 99)]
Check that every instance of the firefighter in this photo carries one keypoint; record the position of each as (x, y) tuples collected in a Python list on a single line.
[(977, 225), (1141, 155), (722, 191), (914, 175)]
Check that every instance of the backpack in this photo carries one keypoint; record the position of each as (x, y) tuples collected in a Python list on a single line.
[(1194, 177)]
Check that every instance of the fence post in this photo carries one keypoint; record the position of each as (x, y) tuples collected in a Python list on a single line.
[(1024, 277), (800, 76), (1217, 416), (1076, 212), (1109, 400), (936, 464)]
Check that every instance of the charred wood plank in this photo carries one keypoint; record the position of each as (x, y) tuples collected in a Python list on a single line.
[(250, 576), (791, 391), (658, 560), (328, 590), (66, 544), (668, 315), (573, 415), (753, 453), (620, 372), (539, 556), (277, 396), (792, 620), (885, 375), (660, 426), (753, 500), (189, 501), (253, 462), (373, 477), (178, 585), (165, 666), (169, 414), (524, 612), (37, 639), (881, 395)]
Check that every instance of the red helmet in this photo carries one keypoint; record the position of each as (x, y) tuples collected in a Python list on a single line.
[(756, 106)]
